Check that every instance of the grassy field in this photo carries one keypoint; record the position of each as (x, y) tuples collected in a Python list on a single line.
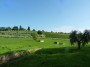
[(51, 55), (15, 44)]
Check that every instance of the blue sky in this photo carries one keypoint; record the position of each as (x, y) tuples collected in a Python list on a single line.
[(55, 15)]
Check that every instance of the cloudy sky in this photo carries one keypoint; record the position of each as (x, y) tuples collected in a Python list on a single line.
[(49, 15)]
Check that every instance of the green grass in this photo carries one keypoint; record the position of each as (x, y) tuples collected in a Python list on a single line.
[(16, 44), (51, 55)]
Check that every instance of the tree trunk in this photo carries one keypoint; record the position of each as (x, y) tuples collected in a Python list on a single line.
[(79, 44)]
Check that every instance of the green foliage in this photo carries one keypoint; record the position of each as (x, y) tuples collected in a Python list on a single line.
[(2, 28), (17, 32), (28, 28), (15, 28), (56, 35), (39, 32), (34, 35), (33, 30), (8, 28), (5, 28), (80, 38), (21, 28), (73, 37), (86, 37)]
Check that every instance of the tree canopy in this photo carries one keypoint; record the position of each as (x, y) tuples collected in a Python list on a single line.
[(80, 38)]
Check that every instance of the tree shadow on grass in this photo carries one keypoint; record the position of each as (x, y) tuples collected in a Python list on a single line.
[(56, 50), (53, 57)]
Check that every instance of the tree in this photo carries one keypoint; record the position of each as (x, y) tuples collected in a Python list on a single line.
[(5, 28), (8, 28), (85, 37), (33, 30), (2, 28), (34, 35), (28, 28), (21, 28), (76, 37), (15, 28), (39, 32), (80, 38)]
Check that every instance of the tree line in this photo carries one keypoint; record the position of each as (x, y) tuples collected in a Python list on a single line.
[(33, 32), (15, 28), (56, 35)]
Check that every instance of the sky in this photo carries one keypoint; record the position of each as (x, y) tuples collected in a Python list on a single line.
[(48, 15)]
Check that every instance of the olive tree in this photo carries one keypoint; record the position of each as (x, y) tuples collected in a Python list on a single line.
[(80, 38)]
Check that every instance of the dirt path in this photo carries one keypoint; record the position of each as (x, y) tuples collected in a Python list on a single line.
[(5, 58)]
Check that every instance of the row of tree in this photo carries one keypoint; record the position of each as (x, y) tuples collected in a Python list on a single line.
[(15, 28), (80, 38), (56, 35)]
